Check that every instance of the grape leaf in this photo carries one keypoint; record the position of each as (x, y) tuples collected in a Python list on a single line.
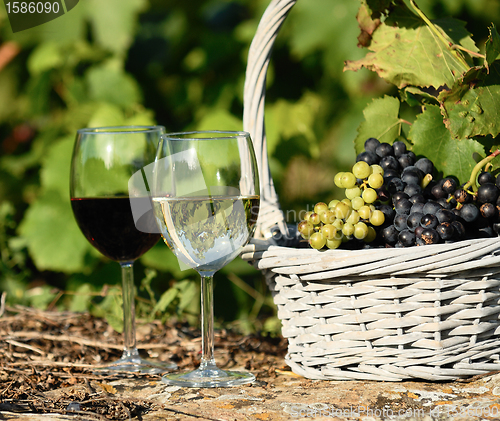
[(56, 166), (492, 45), (381, 121), (45, 57), (110, 84), (113, 22), (305, 42), (53, 238), (431, 139), (412, 54), (286, 119), (472, 107)]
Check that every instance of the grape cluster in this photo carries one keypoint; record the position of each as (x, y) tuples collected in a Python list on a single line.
[(407, 206), (353, 218)]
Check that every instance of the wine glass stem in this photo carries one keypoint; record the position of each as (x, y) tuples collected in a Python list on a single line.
[(130, 346), (207, 323)]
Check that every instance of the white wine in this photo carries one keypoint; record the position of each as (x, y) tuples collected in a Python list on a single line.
[(206, 232)]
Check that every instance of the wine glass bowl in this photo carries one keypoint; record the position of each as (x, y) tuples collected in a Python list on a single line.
[(112, 206), (206, 199)]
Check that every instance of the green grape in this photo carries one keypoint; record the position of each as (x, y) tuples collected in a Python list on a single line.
[(357, 203), (306, 229), (360, 230), (347, 202), (371, 236), (375, 181), (339, 224), (352, 193), (329, 231), (333, 244), (353, 218), (369, 195), (317, 240), (377, 169), (348, 229), (314, 218), (338, 179), (333, 203), (308, 215), (327, 217), (364, 211), (320, 206), (361, 170), (342, 210), (377, 218), (348, 180)]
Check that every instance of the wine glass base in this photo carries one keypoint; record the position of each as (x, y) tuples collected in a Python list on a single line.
[(136, 365), (209, 377)]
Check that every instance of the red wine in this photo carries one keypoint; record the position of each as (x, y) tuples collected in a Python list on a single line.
[(108, 224)]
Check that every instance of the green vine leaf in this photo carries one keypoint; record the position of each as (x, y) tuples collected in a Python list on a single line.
[(471, 108), (492, 45), (381, 121), (451, 157)]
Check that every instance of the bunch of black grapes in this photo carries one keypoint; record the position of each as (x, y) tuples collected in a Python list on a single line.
[(420, 210)]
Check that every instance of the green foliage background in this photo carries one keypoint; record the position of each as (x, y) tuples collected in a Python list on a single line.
[(180, 64)]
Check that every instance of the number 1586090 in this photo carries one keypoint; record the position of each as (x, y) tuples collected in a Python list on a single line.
[(32, 7)]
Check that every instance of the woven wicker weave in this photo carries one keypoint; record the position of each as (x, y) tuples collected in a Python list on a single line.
[(428, 312)]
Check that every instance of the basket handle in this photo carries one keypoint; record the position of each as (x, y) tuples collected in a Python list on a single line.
[(259, 56)]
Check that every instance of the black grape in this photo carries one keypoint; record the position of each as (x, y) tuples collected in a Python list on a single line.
[(389, 163), (407, 238), (425, 165), (400, 222), (390, 174), (445, 215), (429, 221), (449, 185), (403, 206), (388, 212), (406, 160), (390, 234), (371, 144), (445, 231), (417, 207), (431, 207), (488, 210), (469, 212), (413, 190), (413, 220), (383, 194), (399, 148), (395, 184), (461, 196), (369, 157), (398, 196), (430, 236), (384, 149), (487, 193), (438, 192), (485, 177), (418, 231)]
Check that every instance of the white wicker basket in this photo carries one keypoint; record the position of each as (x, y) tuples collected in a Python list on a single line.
[(429, 312)]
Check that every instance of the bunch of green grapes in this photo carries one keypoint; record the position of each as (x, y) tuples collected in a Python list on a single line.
[(354, 217)]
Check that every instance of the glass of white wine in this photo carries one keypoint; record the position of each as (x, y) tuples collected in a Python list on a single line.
[(206, 200)]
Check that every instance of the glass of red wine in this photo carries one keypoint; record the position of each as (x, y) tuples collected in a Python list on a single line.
[(206, 199), (111, 203)]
